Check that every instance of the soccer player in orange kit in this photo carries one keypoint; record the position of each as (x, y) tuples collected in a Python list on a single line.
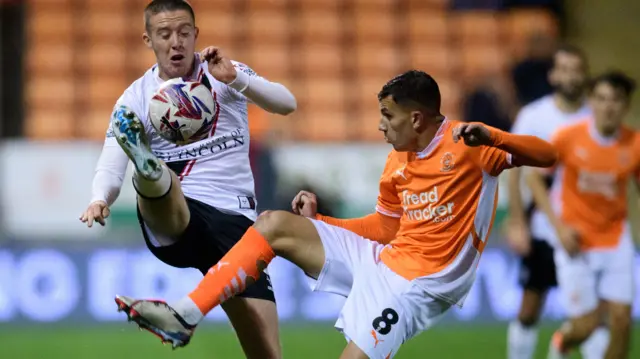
[(587, 206)]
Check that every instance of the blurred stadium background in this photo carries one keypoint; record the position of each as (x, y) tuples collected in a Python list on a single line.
[(65, 62)]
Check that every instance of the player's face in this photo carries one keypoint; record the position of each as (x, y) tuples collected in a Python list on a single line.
[(568, 76), (172, 36), (399, 125), (609, 106)]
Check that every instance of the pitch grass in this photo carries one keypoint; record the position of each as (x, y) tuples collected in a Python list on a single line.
[(299, 341)]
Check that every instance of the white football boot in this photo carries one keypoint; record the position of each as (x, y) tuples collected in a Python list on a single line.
[(157, 317), (131, 136)]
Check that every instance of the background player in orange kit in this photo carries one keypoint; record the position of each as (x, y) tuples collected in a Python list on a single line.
[(588, 208), (402, 267)]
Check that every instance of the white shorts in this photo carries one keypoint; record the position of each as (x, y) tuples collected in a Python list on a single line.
[(383, 309), (594, 275)]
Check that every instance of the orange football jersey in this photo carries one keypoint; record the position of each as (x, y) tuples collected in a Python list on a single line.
[(592, 175)]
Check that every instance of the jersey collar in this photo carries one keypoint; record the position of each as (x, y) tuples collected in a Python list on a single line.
[(600, 139), (435, 141), (195, 75)]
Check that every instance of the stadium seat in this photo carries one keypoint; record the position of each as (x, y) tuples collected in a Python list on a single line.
[(209, 6), (319, 60), (521, 25), (366, 120), (428, 4), (267, 26), (323, 92), (278, 5), (107, 58), (53, 90), (101, 6), (477, 27), (143, 59), (435, 59), (51, 24), (481, 59), (450, 94), (59, 59), (367, 88), (54, 3), (318, 4), (104, 89), (373, 26), (45, 124), (374, 3), (108, 26), (217, 27), (324, 125), (426, 26), (269, 60), (319, 27), (376, 59)]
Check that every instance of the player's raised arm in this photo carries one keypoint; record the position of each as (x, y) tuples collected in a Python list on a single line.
[(524, 150), (270, 96), (107, 181), (376, 226)]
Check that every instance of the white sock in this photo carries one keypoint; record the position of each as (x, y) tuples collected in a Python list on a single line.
[(153, 189), (595, 347), (188, 310), (521, 340)]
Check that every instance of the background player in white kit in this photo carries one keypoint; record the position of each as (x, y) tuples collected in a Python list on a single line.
[(194, 201), (529, 230)]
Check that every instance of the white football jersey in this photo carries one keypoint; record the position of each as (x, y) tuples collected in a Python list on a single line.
[(214, 170), (542, 118)]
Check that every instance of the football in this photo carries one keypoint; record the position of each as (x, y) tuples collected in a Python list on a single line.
[(182, 112)]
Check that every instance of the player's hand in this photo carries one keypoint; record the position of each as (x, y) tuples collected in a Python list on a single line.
[(97, 211), (305, 204), (473, 134), (518, 238), (569, 239), (220, 66)]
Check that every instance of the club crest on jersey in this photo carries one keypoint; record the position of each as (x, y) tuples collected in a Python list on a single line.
[(246, 69), (447, 161)]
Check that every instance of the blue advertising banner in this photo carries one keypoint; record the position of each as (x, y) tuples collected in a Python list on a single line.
[(65, 284)]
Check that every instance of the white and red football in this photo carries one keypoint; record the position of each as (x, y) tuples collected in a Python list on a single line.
[(182, 112)]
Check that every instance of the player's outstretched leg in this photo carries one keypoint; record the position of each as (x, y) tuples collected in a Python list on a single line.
[(573, 333), (160, 198), (274, 233), (522, 334)]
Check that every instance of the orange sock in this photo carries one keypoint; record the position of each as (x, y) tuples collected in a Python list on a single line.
[(239, 268)]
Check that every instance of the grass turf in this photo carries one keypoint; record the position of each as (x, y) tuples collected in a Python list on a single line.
[(308, 342)]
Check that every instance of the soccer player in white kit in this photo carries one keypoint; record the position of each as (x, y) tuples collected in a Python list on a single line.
[(529, 230), (194, 201)]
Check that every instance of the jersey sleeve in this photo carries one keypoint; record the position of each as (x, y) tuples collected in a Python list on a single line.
[(112, 164), (388, 201), (244, 77), (270, 96), (494, 160)]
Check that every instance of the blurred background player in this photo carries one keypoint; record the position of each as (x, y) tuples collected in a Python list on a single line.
[(587, 207), (195, 207), (404, 266), (528, 230)]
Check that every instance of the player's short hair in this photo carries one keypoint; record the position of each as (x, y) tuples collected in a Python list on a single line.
[(572, 50), (416, 87), (157, 6), (616, 79)]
